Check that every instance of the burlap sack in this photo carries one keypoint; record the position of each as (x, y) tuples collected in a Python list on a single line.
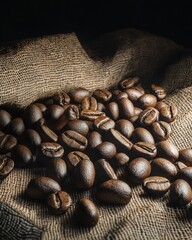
[(37, 68)]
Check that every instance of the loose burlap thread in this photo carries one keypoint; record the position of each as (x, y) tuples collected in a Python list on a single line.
[(37, 68)]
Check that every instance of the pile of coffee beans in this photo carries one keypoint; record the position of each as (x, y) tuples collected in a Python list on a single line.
[(86, 137)]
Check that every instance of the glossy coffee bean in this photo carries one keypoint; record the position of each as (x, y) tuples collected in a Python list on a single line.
[(103, 124), (156, 186), (115, 92), (86, 213), (126, 108), (104, 171), (73, 140), (133, 94), (40, 187), (160, 104), (71, 112), (158, 91), (106, 150), (143, 149), (59, 202), (142, 135), (180, 193), (121, 95), (103, 96), (164, 168), (114, 192), (57, 169), (134, 120), (89, 103), (77, 95), (119, 159), (78, 126), (42, 107), (125, 127), (16, 127), (55, 112), (100, 107), (185, 155), (129, 82), (138, 111), (168, 113), (58, 125), (46, 134), (84, 175), (148, 116), (91, 115), (32, 114), (73, 158), (61, 98), (147, 100), (138, 169), (31, 139), (167, 150), (185, 174), (5, 119), (6, 166), (180, 165), (94, 139), (161, 130), (112, 110), (7, 143), (22, 156)]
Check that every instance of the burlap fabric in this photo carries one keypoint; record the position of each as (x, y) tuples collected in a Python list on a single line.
[(37, 68)]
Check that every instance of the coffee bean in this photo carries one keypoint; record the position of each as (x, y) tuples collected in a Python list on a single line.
[(91, 115), (161, 130), (148, 116), (126, 108), (94, 139), (106, 150), (138, 169), (86, 214), (6, 166), (77, 95), (167, 150), (119, 159), (59, 202), (42, 107), (46, 134), (125, 127), (185, 174), (73, 158), (180, 165), (164, 168), (185, 155), (112, 110), (100, 107), (89, 103), (16, 126), (129, 82), (104, 123), (180, 193), (22, 156), (115, 92), (61, 98), (156, 186), (103, 96), (147, 100), (55, 112), (7, 143), (31, 139), (133, 94), (134, 120), (40, 187), (120, 96), (142, 135), (59, 124), (160, 104), (5, 119), (138, 111), (114, 192), (104, 171), (143, 149), (71, 112), (32, 114), (57, 169), (78, 126), (84, 175), (168, 113), (158, 91), (73, 140)]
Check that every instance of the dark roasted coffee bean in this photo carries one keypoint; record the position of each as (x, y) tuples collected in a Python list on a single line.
[(156, 186), (32, 114), (158, 91), (121, 95), (104, 171), (61, 98), (180, 165), (31, 139), (73, 158), (133, 94), (71, 112), (104, 123), (160, 104), (73, 140), (115, 92), (100, 107), (112, 111), (180, 193), (89, 103), (121, 142), (185, 174), (47, 151), (106, 150), (126, 108), (134, 119), (55, 112), (125, 127), (57, 169), (16, 126), (22, 156), (59, 124), (91, 115), (138, 169), (77, 95), (6, 166), (129, 82), (142, 135), (138, 111), (86, 214), (84, 175), (119, 159), (5, 119), (59, 202), (168, 113), (148, 116), (41, 106), (164, 168), (167, 150), (78, 126), (94, 139), (40, 187), (143, 149), (102, 95), (147, 100), (161, 130), (114, 192), (185, 155), (46, 134), (7, 143)]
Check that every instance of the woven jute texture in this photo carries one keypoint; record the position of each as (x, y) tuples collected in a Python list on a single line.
[(37, 68)]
